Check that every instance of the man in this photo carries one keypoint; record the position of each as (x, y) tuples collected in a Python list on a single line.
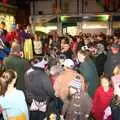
[(15, 62), (61, 85), (89, 71), (113, 59), (39, 90)]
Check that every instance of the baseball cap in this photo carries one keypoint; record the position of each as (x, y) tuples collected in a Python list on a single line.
[(69, 63)]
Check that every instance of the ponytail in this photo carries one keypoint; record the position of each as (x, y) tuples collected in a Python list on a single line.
[(7, 77), (3, 86)]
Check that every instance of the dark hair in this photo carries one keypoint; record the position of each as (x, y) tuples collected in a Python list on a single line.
[(6, 78), (36, 60), (84, 53), (3, 23), (105, 76)]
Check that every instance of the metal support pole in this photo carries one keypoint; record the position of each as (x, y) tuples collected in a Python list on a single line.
[(33, 5), (58, 14), (78, 6), (110, 26), (34, 12), (82, 6)]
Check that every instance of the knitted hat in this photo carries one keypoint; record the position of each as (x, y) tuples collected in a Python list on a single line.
[(41, 64), (76, 83)]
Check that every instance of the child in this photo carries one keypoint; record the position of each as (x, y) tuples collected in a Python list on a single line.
[(78, 103), (102, 98), (12, 101)]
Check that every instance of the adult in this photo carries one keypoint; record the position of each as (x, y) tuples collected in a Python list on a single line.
[(39, 90), (12, 100), (61, 85), (113, 59), (12, 35), (66, 51), (37, 45), (28, 44), (100, 58), (89, 71), (15, 62)]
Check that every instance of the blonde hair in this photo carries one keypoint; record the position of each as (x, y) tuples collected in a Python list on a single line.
[(116, 70)]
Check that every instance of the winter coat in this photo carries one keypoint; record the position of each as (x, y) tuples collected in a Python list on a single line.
[(38, 86), (20, 66), (112, 61), (115, 107), (61, 85), (101, 101), (78, 107), (89, 71), (99, 62)]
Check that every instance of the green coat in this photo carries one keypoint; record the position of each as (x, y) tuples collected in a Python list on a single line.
[(89, 71), (20, 66)]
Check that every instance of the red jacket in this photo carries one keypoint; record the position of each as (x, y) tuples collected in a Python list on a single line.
[(10, 37), (101, 101)]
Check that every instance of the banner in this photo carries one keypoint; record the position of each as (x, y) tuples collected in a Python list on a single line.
[(5, 1)]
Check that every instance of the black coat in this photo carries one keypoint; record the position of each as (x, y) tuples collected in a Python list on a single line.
[(111, 62), (37, 85), (115, 107)]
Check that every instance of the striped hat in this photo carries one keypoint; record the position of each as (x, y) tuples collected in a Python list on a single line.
[(76, 83)]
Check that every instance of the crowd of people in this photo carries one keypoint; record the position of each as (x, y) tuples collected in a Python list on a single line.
[(59, 78)]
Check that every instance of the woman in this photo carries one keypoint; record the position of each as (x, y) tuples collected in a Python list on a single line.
[(115, 103), (37, 45), (12, 101)]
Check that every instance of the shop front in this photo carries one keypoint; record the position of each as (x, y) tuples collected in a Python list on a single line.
[(7, 15)]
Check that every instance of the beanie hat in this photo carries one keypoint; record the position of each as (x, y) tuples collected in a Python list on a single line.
[(76, 83), (41, 64)]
